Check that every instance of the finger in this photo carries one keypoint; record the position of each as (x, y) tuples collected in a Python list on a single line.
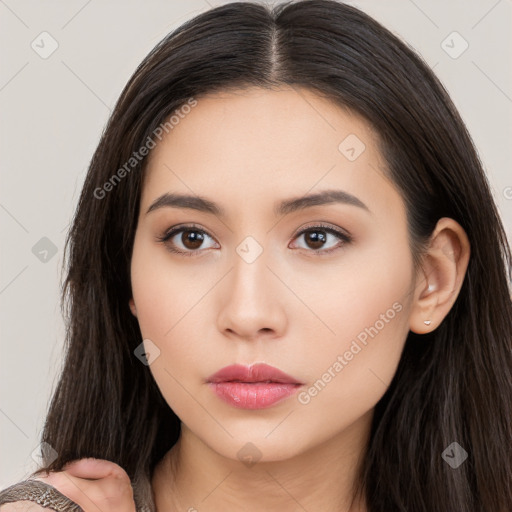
[(73, 488), (94, 469), (111, 493)]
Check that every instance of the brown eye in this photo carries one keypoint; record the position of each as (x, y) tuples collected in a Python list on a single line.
[(315, 239), (185, 240), (191, 239), (322, 239)]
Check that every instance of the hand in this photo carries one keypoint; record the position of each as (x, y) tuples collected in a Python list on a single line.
[(96, 485), (22, 506)]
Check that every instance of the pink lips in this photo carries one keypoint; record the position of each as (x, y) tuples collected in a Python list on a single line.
[(252, 387)]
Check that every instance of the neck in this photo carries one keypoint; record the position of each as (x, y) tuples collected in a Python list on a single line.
[(193, 477)]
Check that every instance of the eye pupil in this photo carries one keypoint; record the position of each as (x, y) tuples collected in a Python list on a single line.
[(317, 238), (192, 239)]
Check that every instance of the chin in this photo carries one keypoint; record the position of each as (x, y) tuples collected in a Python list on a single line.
[(255, 446)]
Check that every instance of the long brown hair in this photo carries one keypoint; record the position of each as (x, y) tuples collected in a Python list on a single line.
[(453, 384)]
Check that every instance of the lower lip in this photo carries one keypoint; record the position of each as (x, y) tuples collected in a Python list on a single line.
[(257, 395)]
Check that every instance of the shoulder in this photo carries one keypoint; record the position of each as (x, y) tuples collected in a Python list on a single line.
[(143, 493), (34, 495)]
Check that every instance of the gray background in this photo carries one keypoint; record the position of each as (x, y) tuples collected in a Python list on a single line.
[(54, 109)]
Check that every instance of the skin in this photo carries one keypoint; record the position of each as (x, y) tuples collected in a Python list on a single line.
[(290, 308), (96, 485)]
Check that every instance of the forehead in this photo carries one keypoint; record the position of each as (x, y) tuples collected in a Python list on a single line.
[(254, 143), (282, 123)]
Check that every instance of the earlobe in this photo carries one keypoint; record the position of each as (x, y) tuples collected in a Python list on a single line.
[(440, 277), (133, 309)]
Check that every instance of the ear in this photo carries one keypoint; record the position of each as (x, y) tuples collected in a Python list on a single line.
[(133, 309), (440, 277)]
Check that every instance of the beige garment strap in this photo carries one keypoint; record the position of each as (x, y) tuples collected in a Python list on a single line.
[(41, 493)]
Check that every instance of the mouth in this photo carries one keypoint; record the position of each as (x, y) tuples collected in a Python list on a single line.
[(252, 387), (256, 373)]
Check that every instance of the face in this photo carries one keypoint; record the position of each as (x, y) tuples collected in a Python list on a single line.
[(319, 289)]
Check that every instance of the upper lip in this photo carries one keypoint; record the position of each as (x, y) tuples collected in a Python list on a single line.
[(255, 373)]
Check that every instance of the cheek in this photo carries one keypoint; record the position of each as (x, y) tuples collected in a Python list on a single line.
[(169, 299), (366, 305), (164, 293)]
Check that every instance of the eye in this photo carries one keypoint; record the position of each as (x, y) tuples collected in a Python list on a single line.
[(190, 240), (319, 236), (187, 240)]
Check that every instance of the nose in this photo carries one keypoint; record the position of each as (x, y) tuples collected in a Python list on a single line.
[(252, 301)]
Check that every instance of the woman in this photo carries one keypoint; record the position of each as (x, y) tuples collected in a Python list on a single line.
[(287, 284)]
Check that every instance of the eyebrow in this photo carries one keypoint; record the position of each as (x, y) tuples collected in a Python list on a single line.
[(285, 207)]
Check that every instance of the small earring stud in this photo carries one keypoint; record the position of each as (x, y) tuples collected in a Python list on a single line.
[(426, 322)]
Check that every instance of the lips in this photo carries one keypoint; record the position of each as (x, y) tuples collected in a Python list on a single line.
[(254, 373), (252, 387)]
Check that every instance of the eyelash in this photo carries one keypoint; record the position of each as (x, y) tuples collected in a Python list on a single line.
[(346, 239)]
